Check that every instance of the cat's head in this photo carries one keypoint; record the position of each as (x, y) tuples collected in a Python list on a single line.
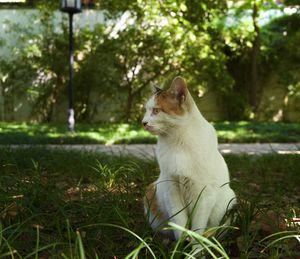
[(166, 108)]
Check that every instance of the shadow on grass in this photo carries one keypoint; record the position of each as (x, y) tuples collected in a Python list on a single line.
[(58, 195)]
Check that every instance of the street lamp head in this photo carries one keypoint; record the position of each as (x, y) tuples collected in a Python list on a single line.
[(71, 6)]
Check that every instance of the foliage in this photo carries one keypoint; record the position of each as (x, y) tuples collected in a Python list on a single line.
[(121, 63), (123, 75), (71, 204), (37, 69), (107, 133), (157, 43), (217, 45), (280, 53)]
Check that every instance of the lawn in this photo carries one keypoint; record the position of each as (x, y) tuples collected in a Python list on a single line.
[(67, 204), (235, 132)]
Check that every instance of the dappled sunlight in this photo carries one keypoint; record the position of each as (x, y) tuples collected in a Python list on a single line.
[(237, 132), (123, 128), (226, 151), (90, 135), (288, 152)]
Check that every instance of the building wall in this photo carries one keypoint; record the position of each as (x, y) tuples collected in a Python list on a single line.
[(19, 108), (88, 18), (276, 104)]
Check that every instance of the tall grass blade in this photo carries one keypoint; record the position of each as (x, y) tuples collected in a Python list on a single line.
[(279, 233), (11, 251), (206, 243), (10, 254), (69, 238), (41, 249), (37, 243), (126, 230), (280, 239), (80, 244), (134, 254)]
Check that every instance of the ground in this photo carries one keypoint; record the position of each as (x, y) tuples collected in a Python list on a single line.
[(70, 204), (232, 132)]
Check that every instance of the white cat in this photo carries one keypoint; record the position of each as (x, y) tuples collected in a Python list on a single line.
[(194, 181)]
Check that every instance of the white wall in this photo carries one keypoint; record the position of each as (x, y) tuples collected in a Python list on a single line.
[(23, 17), (10, 43)]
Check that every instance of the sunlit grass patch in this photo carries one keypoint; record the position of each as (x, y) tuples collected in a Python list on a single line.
[(105, 133), (67, 203), (257, 132)]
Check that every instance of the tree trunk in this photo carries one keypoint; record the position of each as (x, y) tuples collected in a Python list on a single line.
[(128, 104), (253, 91)]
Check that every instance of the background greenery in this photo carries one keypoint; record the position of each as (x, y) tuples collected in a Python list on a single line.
[(219, 46)]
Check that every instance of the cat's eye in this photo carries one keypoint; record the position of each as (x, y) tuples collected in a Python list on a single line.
[(155, 111)]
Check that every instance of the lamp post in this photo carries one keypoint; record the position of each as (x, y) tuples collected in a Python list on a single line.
[(71, 7)]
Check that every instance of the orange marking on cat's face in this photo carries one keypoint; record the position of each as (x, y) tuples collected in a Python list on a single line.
[(150, 201), (167, 102)]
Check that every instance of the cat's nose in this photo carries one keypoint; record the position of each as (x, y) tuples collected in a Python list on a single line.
[(145, 123)]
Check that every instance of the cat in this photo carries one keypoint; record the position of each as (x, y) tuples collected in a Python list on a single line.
[(193, 185)]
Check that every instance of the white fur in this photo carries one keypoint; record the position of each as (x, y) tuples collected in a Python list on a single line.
[(191, 167)]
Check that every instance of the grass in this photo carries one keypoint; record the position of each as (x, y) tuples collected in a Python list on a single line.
[(235, 132), (67, 204)]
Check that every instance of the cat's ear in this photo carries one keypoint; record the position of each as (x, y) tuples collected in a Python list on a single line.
[(155, 89), (179, 89)]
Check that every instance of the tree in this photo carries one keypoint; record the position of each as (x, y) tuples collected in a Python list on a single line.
[(243, 47), (157, 42), (216, 46), (254, 57)]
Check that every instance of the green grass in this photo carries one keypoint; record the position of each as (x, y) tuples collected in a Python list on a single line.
[(67, 204), (235, 132)]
